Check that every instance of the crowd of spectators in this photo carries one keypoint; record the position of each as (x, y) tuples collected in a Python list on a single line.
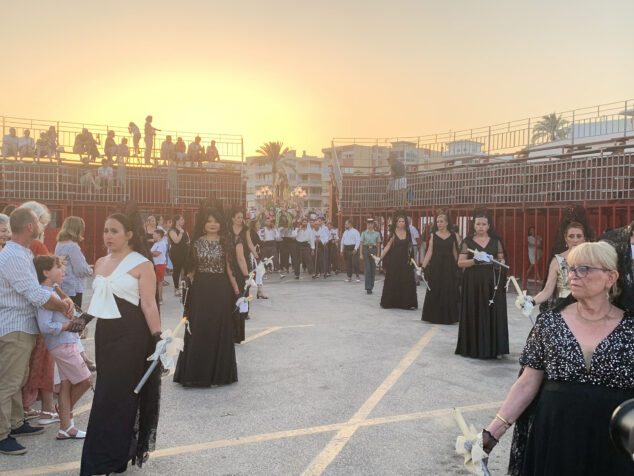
[(86, 145)]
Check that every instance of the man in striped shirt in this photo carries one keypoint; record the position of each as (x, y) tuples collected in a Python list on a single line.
[(20, 296)]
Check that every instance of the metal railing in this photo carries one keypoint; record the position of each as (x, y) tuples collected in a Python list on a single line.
[(520, 182), (69, 183), (230, 146), (514, 138)]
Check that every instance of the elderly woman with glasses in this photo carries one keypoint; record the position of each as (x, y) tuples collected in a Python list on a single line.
[(578, 366)]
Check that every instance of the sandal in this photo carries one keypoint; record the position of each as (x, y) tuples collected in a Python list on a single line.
[(79, 435), (30, 414), (46, 418)]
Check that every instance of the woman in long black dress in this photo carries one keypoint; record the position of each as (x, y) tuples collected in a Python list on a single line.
[(122, 424), (483, 331), (179, 246), (577, 369), (208, 357), (239, 267), (442, 302), (399, 286)]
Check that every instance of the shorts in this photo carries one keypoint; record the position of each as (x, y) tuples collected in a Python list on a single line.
[(160, 272), (70, 364)]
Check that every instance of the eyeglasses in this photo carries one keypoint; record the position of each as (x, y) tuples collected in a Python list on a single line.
[(582, 271)]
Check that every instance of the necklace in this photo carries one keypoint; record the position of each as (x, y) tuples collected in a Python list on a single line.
[(594, 321)]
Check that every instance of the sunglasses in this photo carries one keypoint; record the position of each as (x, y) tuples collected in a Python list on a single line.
[(582, 271)]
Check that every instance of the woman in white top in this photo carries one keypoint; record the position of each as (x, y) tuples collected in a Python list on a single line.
[(128, 327), (534, 253)]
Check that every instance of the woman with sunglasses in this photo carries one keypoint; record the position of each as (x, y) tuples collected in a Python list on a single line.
[(578, 369), (557, 281)]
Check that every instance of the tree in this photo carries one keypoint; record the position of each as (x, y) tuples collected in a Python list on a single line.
[(273, 153), (552, 127)]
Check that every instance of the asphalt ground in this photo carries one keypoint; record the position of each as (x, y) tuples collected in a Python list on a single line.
[(329, 383)]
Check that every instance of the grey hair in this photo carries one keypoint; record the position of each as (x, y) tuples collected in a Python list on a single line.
[(4, 219), (41, 211)]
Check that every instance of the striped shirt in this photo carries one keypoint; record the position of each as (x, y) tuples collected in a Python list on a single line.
[(20, 293)]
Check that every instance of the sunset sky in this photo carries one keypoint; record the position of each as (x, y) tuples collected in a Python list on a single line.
[(305, 72)]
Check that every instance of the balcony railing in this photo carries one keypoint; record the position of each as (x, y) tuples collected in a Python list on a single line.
[(520, 182), (147, 186)]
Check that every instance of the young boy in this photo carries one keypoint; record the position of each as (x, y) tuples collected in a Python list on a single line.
[(62, 338), (159, 253)]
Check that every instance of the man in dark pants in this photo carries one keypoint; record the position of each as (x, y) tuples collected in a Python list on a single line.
[(333, 249), (350, 241), (305, 246), (370, 243), (322, 236)]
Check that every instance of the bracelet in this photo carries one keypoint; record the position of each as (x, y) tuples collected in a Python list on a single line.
[(504, 422)]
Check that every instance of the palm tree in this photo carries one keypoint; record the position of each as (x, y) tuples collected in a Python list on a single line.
[(552, 127), (273, 153)]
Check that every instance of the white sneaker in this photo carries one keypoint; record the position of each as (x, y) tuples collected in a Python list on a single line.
[(358, 280), (348, 280)]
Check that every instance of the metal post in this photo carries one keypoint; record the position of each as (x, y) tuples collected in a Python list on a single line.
[(572, 128)]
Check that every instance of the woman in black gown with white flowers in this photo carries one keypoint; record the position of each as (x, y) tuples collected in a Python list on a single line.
[(483, 331), (442, 301), (399, 286), (208, 357)]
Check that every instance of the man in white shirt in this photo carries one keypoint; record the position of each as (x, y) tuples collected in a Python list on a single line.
[(333, 249), (269, 236), (26, 145), (105, 175), (350, 241), (10, 144), (415, 238), (322, 236), (305, 243)]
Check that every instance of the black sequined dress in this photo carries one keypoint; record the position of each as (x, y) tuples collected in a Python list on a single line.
[(568, 430), (208, 357)]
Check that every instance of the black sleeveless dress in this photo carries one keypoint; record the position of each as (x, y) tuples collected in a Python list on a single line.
[(208, 357), (399, 287), (442, 302), (483, 331)]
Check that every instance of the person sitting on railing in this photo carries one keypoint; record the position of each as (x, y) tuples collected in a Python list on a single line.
[(42, 148), (180, 149), (110, 147), (26, 145), (10, 143), (85, 143), (195, 152), (87, 181), (53, 143), (168, 150), (212, 152), (105, 175), (123, 151)]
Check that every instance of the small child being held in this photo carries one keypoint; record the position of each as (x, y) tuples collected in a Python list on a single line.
[(62, 338), (159, 254)]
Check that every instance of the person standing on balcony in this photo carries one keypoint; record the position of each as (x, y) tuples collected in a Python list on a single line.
[(370, 242), (350, 242), (168, 151), (150, 132), (399, 287), (136, 137), (442, 301), (398, 182), (483, 332)]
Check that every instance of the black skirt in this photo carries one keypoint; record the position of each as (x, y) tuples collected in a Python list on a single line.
[(569, 432), (208, 357), (122, 425)]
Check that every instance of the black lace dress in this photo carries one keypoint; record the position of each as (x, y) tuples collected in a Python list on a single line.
[(442, 302), (208, 357), (568, 431), (399, 287), (483, 331)]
